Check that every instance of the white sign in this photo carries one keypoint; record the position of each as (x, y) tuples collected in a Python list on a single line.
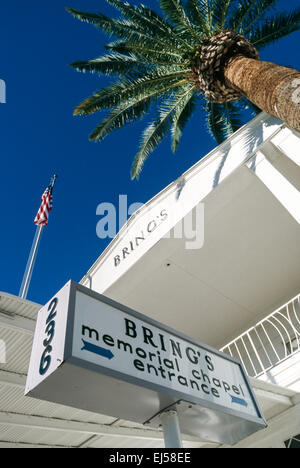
[(49, 341), (111, 338), (95, 354)]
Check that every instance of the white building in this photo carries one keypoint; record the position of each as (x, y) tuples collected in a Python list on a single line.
[(238, 290)]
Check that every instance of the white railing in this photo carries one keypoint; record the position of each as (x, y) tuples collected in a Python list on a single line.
[(270, 341)]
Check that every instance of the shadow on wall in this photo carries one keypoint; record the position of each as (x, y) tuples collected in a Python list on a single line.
[(252, 140)]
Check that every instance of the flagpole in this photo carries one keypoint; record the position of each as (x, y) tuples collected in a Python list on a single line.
[(33, 254), (30, 264)]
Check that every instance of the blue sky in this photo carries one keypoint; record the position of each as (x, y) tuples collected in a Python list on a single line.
[(40, 136)]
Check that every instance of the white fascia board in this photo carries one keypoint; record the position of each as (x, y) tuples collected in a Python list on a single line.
[(18, 323), (12, 379), (16, 303), (259, 384), (7, 445), (181, 197), (279, 186), (272, 392), (274, 398), (55, 424), (280, 428), (287, 141)]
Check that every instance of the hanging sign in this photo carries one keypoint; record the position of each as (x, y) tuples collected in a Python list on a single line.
[(92, 353)]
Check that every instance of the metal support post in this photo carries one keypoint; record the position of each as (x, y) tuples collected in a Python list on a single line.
[(170, 425)]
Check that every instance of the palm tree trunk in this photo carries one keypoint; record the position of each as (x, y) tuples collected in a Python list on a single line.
[(272, 88)]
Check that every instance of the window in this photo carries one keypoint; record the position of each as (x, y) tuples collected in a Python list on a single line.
[(293, 345), (293, 443)]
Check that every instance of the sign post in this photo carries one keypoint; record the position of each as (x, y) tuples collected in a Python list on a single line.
[(95, 354), (170, 425)]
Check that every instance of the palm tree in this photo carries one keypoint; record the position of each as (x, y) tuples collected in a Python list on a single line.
[(199, 52)]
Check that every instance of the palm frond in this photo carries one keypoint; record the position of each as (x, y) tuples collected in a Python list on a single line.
[(222, 120), (219, 11), (154, 55), (158, 81), (123, 29), (258, 13), (175, 11), (275, 28), (208, 5), (156, 60), (214, 121), (199, 15), (85, 16), (248, 12), (181, 117), (108, 64), (121, 116), (157, 130), (233, 118), (149, 21), (127, 112)]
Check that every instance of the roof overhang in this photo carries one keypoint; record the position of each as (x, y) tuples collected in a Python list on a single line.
[(249, 262), (26, 422)]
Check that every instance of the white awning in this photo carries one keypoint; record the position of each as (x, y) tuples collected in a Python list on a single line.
[(26, 422), (249, 263)]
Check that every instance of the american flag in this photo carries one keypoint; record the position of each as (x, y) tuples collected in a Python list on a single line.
[(42, 216)]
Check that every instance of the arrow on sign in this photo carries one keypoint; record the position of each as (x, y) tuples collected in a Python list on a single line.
[(97, 350), (239, 401)]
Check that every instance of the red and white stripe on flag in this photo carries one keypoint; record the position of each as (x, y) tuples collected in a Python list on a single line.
[(42, 216)]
